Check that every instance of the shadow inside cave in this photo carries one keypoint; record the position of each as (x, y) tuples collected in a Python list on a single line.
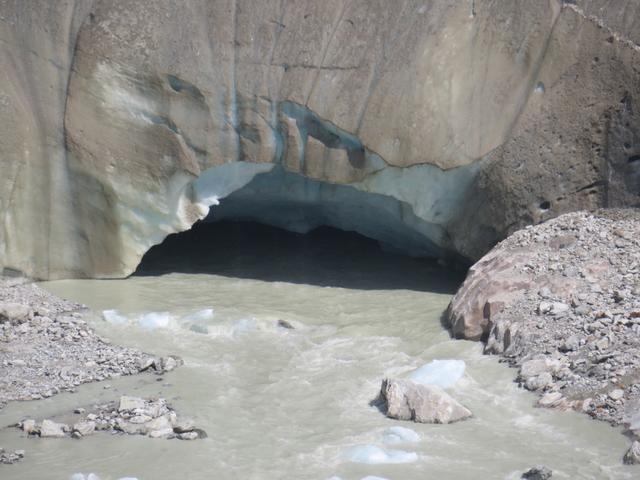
[(324, 257)]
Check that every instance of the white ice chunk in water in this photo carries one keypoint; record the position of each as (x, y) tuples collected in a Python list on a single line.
[(203, 315), (373, 455), (114, 317), (442, 373), (244, 325), (154, 320), (81, 476), (395, 435)]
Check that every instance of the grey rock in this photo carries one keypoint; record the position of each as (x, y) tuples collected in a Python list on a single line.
[(539, 472), (632, 457), (29, 427), (571, 344), (539, 382), (188, 435), (51, 429), (406, 400), (14, 313), (552, 400), (616, 394), (183, 425), (130, 403), (84, 428)]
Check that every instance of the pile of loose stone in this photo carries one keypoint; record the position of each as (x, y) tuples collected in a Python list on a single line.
[(130, 415), (571, 319), (46, 347), (9, 458)]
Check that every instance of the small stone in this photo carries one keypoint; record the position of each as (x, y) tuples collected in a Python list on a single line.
[(139, 419), (29, 426), (570, 344), (183, 425), (162, 433), (551, 399), (285, 324), (160, 423), (539, 382), (145, 363), (79, 411), (188, 436), (539, 472), (130, 403), (616, 394)]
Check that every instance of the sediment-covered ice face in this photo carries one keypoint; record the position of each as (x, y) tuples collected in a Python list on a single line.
[(458, 110)]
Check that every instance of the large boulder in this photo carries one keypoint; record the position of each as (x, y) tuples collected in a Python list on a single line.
[(406, 400)]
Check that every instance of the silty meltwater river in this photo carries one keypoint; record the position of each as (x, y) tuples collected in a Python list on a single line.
[(282, 403)]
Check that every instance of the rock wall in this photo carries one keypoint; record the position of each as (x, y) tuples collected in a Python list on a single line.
[(122, 121)]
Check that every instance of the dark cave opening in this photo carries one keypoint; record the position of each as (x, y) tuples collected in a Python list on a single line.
[(325, 256)]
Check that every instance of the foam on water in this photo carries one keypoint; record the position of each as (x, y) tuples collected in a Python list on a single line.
[(395, 435), (374, 455), (153, 320), (200, 316), (442, 373), (114, 317)]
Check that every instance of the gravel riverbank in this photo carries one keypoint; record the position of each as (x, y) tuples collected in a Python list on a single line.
[(46, 347), (561, 302)]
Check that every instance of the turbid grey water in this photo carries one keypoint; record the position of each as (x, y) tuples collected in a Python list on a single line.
[(282, 403)]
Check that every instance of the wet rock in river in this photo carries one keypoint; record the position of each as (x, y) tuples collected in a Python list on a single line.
[(406, 400), (539, 472), (9, 458), (130, 415), (49, 428), (632, 457)]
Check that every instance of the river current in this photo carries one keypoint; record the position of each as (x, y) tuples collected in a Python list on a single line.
[(294, 403)]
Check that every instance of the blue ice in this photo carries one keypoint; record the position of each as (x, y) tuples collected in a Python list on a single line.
[(372, 454), (443, 373), (395, 435)]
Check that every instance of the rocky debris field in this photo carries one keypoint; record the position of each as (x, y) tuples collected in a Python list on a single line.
[(9, 458), (154, 418), (561, 302), (46, 347)]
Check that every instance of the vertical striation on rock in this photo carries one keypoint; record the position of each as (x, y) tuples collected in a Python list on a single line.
[(479, 123)]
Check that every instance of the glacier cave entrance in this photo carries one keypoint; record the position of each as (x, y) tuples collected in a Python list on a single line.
[(282, 226)]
